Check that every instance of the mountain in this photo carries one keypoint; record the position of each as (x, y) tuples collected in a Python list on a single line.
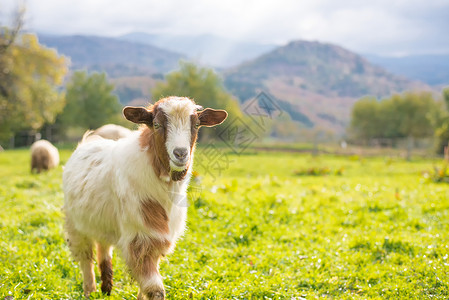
[(114, 56), (316, 83), (135, 90), (206, 49), (431, 69), (321, 81)]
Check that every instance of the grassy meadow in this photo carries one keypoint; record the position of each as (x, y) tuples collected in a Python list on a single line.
[(265, 226)]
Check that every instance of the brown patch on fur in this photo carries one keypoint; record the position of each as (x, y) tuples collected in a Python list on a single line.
[(106, 276), (145, 137), (154, 140), (144, 255), (154, 216), (194, 120)]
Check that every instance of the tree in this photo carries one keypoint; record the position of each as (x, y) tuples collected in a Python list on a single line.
[(201, 84), (90, 101), (30, 78), (389, 122), (442, 132), (365, 119), (415, 114), (411, 115), (446, 97)]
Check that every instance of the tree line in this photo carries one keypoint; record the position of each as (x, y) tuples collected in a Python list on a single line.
[(411, 115)]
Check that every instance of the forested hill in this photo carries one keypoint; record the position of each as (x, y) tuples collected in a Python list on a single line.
[(116, 57), (319, 80)]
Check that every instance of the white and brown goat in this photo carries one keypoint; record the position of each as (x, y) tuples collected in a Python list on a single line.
[(131, 193)]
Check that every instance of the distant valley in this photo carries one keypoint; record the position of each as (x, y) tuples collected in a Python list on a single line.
[(431, 69), (206, 49)]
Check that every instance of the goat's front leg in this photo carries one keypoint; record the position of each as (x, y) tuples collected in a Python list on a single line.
[(143, 255), (82, 249)]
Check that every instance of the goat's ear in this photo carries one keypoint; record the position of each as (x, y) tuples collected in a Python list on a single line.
[(138, 115), (211, 117)]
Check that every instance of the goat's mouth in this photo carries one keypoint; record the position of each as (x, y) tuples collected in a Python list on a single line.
[(178, 166), (178, 170)]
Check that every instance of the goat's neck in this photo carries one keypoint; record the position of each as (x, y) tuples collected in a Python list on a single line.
[(174, 193)]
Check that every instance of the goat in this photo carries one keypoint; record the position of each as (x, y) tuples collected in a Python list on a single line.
[(112, 131), (44, 156), (131, 193)]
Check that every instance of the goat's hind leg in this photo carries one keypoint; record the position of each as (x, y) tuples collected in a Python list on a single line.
[(82, 250), (104, 253)]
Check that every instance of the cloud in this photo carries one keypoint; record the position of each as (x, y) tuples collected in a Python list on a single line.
[(382, 26)]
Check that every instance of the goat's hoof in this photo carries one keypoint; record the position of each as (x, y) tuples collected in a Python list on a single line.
[(156, 295), (87, 294), (106, 288), (88, 290)]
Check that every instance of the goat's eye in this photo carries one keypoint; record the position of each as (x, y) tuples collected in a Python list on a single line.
[(197, 126), (156, 125)]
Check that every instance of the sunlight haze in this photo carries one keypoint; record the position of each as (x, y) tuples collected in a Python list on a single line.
[(383, 27)]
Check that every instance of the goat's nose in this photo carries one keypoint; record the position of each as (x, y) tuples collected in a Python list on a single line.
[(180, 153)]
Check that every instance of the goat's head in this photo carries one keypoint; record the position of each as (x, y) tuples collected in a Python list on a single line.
[(173, 125)]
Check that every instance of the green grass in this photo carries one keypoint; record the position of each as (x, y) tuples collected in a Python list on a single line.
[(256, 230)]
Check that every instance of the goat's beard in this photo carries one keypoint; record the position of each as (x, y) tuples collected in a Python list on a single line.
[(178, 175)]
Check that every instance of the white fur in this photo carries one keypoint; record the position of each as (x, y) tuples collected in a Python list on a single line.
[(178, 111), (112, 131), (105, 181), (104, 184)]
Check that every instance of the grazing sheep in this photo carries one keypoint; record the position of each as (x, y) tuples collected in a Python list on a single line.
[(131, 193), (44, 156), (112, 132)]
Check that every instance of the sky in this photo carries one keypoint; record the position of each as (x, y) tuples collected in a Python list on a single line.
[(382, 27)]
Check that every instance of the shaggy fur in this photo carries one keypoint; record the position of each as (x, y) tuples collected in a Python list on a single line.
[(126, 193), (44, 156)]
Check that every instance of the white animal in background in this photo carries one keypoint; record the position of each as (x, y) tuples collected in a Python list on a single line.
[(131, 193), (112, 132), (44, 156)]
